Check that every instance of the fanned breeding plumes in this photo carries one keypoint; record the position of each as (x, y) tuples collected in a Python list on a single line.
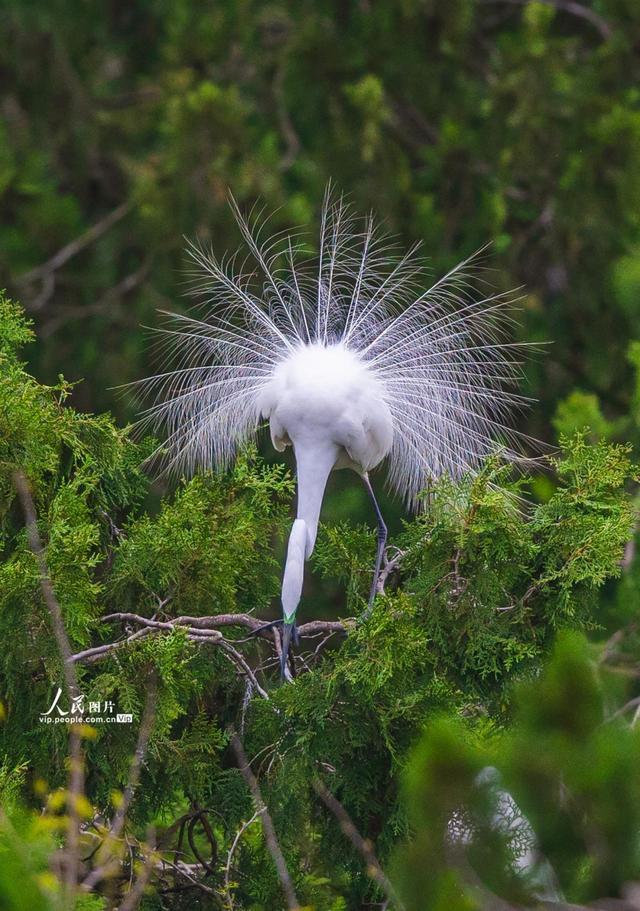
[(350, 354), (441, 358)]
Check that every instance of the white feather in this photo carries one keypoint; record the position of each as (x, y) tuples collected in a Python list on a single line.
[(353, 353)]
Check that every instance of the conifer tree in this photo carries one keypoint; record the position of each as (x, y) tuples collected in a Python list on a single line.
[(162, 606)]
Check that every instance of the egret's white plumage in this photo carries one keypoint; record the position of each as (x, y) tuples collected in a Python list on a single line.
[(325, 402), (350, 359)]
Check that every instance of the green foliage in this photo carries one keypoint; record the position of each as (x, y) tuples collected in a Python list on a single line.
[(26, 882), (571, 767), (235, 516), (459, 125), (481, 584), (580, 410)]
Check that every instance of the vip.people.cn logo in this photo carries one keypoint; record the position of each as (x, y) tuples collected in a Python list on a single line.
[(83, 711)]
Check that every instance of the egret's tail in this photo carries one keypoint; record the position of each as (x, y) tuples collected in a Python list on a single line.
[(313, 465)]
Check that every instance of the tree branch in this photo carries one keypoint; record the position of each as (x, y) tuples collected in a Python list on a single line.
[(291, 138), (267, 825), (389, 566), (574, 9), (362, 845), (234, 844), (134, 896), (76, 769), (115, 830), (104, 302), (204, 630), (46, 271)]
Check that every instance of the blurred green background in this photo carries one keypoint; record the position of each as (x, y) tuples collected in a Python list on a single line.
[(124, 124)]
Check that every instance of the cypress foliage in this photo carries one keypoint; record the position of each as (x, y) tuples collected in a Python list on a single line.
[(475, 590)]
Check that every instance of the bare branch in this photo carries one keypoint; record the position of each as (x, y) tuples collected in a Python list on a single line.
[(103, 304), (286, 125), (204, 630), (362, 845), (200, 816), (89, 655), (629, 550), (144, 733), (199, 633), (76, 766), (55, 612), (188, 872), (134, 896), (245, 620), (46, 270), (234, 844), (310, 629), (574, 9), (389, 566), (239, 660), (267, 825), (306, 630), (631, 704)]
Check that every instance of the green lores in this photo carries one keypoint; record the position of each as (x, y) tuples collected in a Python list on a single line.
[(473, 601)]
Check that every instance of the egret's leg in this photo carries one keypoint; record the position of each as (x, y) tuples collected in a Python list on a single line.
[(382, 540)]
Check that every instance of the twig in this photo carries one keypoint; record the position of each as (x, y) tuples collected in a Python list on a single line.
[(146, 727), (89, 655), (133, 897), (286, 125), (205, 630), (483, 895), (632, 703), (37, 548), (574, 9), (267, 825), (144, 733), (200, 816), (612, 644), (188, 871), (629, 550), (411, 125), (46, 270), (119, 290), (387, 568), (362, 845), (239, 660), (234, 844), (76, 771)]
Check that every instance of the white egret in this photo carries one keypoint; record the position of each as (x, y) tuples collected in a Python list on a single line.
[(350, 361)]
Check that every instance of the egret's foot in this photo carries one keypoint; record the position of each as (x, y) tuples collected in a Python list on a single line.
[(270, 625)]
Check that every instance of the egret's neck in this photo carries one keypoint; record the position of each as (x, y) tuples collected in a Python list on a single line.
[(313, 464)]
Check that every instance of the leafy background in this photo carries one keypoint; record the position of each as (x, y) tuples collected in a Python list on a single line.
[(458, 124)]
